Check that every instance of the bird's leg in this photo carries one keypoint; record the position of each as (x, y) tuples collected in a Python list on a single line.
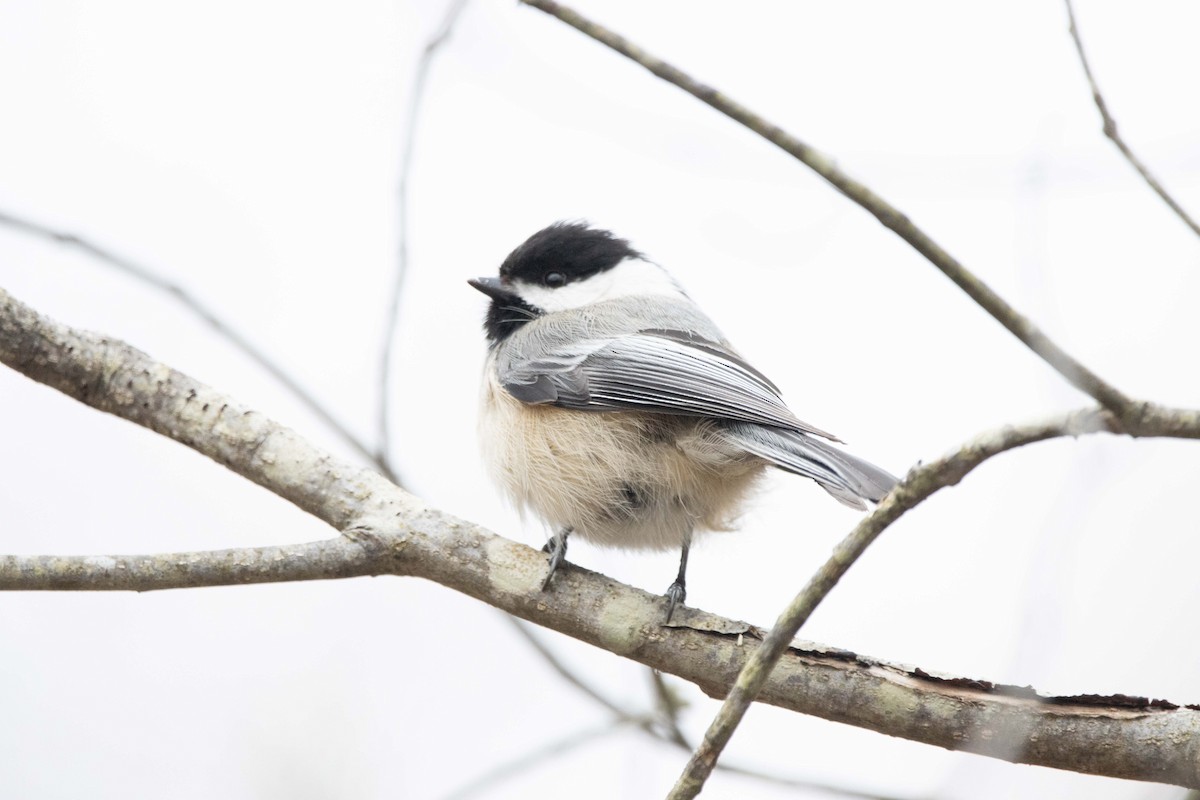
[(557, 548), (677, 591)]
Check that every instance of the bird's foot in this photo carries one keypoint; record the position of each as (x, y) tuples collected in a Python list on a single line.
[(676, 594), (557, 548)]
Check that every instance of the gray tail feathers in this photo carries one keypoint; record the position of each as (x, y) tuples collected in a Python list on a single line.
[(851, 480)]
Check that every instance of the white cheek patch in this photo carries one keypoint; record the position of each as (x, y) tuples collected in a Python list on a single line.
[(633, 276)]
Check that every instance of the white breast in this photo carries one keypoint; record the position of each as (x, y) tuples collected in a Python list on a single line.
[(620, 479)]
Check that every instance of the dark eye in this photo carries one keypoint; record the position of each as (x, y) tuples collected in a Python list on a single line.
[(554, 279)]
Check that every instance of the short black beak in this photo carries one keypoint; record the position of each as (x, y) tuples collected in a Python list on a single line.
[(492, 288)]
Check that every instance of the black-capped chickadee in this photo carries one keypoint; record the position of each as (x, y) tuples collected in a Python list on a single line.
[(614, 408)]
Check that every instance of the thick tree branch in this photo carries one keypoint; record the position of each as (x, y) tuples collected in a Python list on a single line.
[(1019, 325), (387, 531), (1110, 129)]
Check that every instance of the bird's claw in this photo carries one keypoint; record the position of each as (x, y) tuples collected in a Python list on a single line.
[(557, 548), (676, 594)]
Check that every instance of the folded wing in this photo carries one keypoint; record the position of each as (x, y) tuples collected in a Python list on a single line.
[(664, 371)]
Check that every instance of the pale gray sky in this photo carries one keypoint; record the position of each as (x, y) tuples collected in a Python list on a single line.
[(249, 152)]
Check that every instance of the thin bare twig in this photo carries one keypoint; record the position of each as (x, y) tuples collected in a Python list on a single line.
[(570, 677), (837, 791), (559, 747), (416, 95), (535, 759), (1020, 326), (668, 708), (222, 328), (664, 727), (1110, 129), (919, 484), (385, 437)]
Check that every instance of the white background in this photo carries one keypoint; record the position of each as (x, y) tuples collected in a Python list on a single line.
[(249, 151)]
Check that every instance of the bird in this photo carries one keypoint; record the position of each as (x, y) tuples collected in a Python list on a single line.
[(615, 410)]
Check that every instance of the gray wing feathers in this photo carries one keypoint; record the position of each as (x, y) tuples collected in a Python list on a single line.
[(849, 479), (662, 371), (659, 372)]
